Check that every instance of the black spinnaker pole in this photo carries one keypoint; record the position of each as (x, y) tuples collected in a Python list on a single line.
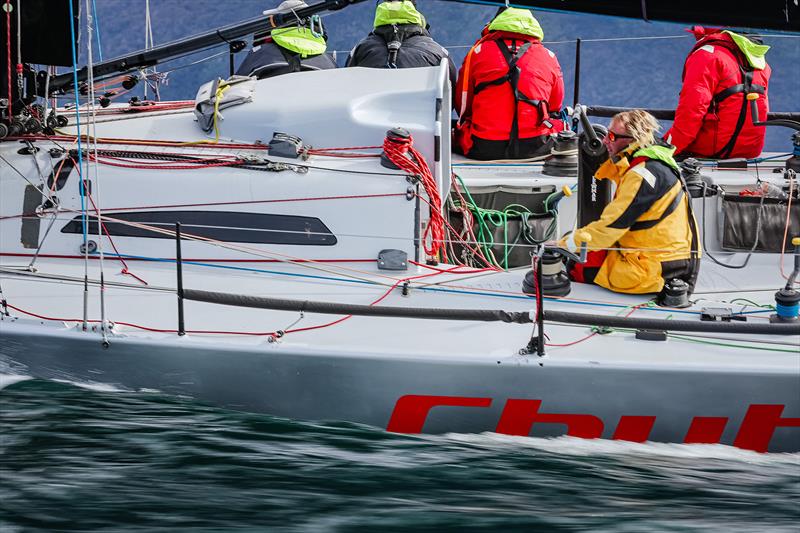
[(181, 47)]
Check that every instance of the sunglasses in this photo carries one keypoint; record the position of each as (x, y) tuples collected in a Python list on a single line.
[(611, 136)]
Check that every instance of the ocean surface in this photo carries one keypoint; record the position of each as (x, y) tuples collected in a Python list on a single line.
[(98, 459)]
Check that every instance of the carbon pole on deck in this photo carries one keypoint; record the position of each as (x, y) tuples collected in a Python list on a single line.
[(576, 91), (489, 315), (669, 114)]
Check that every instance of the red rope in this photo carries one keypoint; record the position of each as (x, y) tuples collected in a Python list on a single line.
[(125, 270), (379, 300), (188, 164), (210, 204), (141, 142), (634, 308), (400, 151), (146, 328), (245, 202), (459, 239), (473, 271), (332, 152)]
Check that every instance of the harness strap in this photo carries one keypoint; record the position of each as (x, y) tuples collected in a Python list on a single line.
[(512, 77), (735, 89), (747, 84), (511, 61), (292, 59)]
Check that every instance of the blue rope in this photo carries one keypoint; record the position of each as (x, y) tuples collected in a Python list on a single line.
[(97, 30), (84, 218), (713, 163), (428, 289), (244, 269)]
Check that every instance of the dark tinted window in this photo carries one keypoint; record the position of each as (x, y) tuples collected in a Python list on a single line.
[(220, 225)]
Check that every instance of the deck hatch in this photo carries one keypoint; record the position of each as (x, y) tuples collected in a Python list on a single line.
[(227, 226)]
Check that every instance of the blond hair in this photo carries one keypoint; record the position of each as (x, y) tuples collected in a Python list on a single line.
[(639, 124)]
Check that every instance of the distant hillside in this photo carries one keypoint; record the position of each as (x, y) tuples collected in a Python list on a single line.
[(642, 69)]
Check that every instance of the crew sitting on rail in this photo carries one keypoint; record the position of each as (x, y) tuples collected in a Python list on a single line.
[(713, 118), (400, 39), (508, 86), (646, 235), (291, 49)]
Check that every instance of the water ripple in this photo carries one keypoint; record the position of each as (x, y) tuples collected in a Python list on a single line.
[(102, 460)]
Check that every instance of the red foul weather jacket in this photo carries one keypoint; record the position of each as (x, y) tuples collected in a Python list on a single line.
[(485, 100), (713, 102)]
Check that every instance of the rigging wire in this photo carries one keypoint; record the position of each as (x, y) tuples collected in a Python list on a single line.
[(80, 170), (9, 108), (97, 31), (92, 111), (791, 175)]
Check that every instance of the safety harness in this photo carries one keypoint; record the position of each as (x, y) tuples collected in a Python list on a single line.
[(394, 40), (746, 87), (512, 57)]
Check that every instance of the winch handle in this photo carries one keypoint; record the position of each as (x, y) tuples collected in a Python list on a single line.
[(571, 255), (796, 271), (593, 141)]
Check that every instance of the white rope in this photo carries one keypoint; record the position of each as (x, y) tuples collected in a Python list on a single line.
[(149, 42), (95, 195)]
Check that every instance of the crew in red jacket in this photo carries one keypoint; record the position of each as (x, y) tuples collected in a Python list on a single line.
[(713, 118), (507, 89)]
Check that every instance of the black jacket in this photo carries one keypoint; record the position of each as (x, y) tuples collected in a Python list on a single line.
[(417, 49), (272, 60)]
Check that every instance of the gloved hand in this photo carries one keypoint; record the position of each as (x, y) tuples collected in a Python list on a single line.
[(567, 242)]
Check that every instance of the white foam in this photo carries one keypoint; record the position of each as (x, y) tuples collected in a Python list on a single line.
[(602, 447), (6, 380), (93, 385)]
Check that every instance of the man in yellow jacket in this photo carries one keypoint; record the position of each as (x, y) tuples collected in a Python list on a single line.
[(646, 235)]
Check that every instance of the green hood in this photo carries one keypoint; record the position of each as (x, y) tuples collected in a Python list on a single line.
[(752, 51), (394, 12), (517, 21), (659, 151)]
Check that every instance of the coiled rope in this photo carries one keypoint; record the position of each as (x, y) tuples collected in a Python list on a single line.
[(401, 152)]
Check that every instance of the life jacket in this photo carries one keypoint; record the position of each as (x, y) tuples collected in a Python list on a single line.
[(396, 21), (285, 50), (301, 40), (399, 39), (726, 128), (510, 86)]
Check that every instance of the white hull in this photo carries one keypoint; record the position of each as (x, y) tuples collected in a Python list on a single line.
[(401, 374)]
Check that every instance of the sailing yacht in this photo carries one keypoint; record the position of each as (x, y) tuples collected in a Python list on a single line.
[(316, 258)]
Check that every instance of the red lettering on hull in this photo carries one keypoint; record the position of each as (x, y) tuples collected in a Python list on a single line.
[(411, 410), (759, 424), (520, 415)]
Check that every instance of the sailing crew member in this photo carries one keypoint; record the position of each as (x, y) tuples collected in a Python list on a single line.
[(507, 89), (291, 49), (646, 235), (713, 118), (400, 39)]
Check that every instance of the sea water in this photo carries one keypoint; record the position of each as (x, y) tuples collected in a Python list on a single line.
[(97, 459)]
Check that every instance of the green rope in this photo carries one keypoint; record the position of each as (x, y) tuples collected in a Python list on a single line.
[(752, 303), (488, 219), (729, 345)]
